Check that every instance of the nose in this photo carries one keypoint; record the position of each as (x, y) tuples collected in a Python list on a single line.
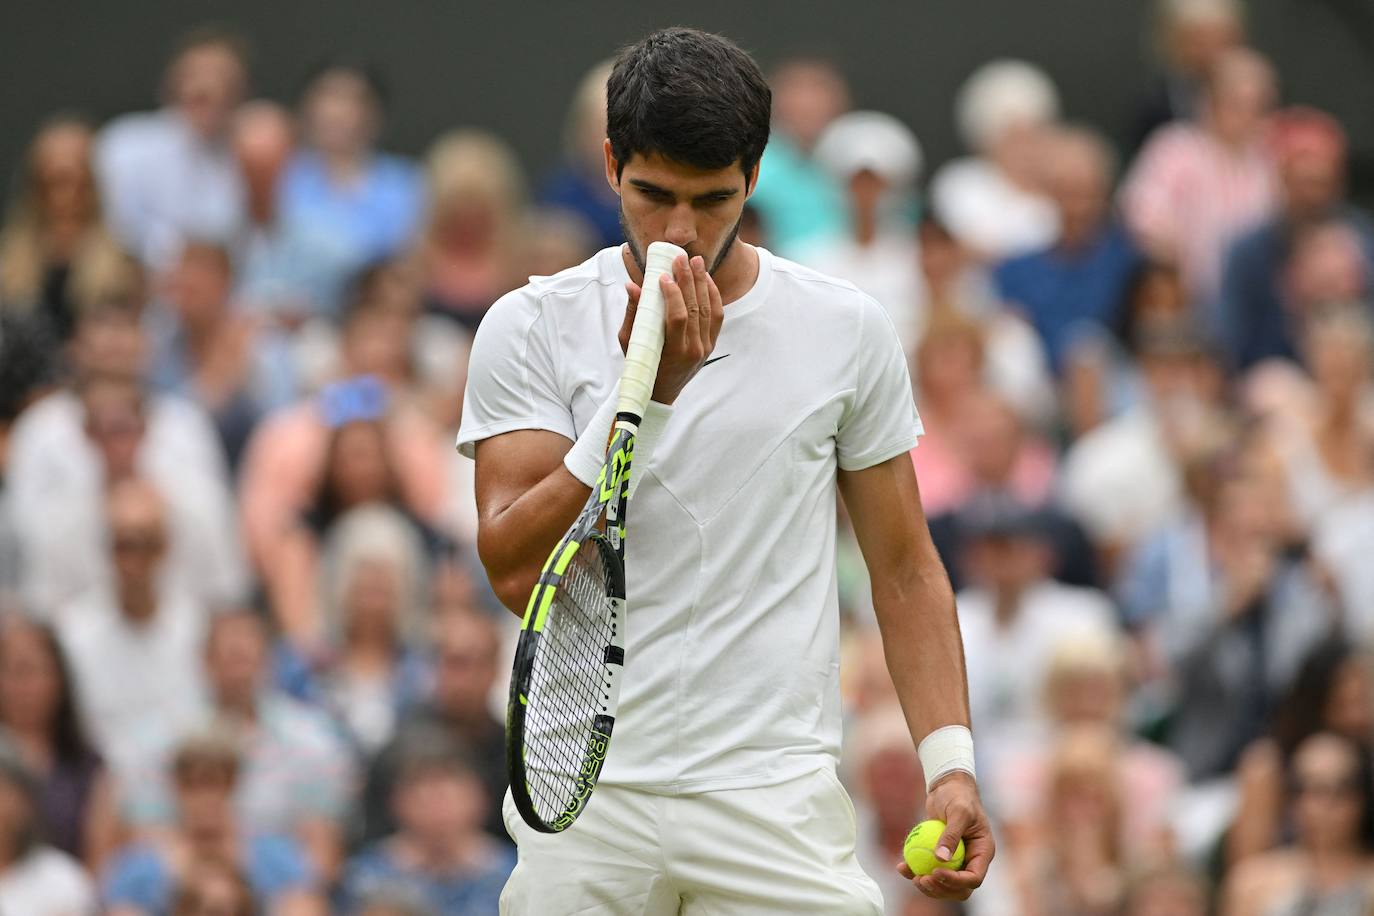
[(682, 226)]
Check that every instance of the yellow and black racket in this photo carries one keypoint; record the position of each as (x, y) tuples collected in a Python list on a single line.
[(566, 684)]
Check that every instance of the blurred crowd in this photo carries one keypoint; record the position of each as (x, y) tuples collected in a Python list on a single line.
[(249, 662)]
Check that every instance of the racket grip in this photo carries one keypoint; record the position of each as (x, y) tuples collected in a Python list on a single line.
[(646, 336)]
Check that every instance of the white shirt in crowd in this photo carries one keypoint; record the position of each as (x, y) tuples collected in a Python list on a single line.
[(1120, 481), (162, 184), (132, 675), (733, 622), (886, 269), (46, 882), (1007, 662), (985, 211), (56, 481)]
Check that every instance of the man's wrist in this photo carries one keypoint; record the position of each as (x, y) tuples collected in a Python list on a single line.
[(946, 751)]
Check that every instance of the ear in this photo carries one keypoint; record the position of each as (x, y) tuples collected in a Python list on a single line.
[(751, 181), (612, 166)]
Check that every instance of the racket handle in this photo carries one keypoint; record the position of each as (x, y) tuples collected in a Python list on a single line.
[(646, 336)]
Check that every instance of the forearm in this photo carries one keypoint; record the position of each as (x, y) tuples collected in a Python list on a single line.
[(514, 542), (921, 642)]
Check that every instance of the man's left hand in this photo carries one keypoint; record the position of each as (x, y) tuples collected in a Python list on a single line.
[(954, 800)]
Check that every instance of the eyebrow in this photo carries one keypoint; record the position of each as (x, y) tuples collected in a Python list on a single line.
[(715, 194)]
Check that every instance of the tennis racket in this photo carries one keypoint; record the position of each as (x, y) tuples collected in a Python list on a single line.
[(565, 688)]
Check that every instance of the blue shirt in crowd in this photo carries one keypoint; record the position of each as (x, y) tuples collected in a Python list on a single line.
[(1063, 291), (1255, 324), (474, 892), (338, 230), (141, 877)]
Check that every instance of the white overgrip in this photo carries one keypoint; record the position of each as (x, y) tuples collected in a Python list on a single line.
[(646, 336)]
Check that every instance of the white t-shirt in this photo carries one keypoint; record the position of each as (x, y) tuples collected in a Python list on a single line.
[(732, 654), (46, 882), (130, 676)]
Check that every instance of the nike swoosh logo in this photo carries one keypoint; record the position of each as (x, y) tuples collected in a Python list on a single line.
[(713, 359)]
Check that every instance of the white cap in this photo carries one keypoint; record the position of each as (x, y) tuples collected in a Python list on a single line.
[(872, 141), (1000, 94)]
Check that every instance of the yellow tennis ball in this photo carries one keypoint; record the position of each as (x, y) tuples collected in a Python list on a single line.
[(919, 849)]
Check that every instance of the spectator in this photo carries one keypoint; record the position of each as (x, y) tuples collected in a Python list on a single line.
[(1087, 685), (72, 445), (133, 647), (1077, 286), (287, 466), (357, 474), (578, 186), (986, 449), (35, 879), (75, 797), (1196, 187), (168, 175), (1191, 35), (1333, 692), (1079, 868), (23, 375), (1014, 359), (209, 352), (1259, 318), (471, 245), (214, 888), (345, 205), (1121, 480), (1234, 632), (1328, 867), (1012, 615), (994, 200), (1325, 441), (56, 257), (439, 847), (798, 200), (271, 282), (466, 646), (555, 240), (373, 576), (296, 772), (205, 770), (875, 159)]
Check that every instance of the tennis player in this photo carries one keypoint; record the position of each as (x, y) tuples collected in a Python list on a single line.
[(776, 386)]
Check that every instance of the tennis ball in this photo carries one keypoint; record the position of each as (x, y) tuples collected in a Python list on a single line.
[(919, 849)]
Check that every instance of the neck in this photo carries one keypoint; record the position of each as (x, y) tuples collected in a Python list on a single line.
[(865, 226), (1006, 602), (735, 276), (344, 165), (239, 708), (138, 603)]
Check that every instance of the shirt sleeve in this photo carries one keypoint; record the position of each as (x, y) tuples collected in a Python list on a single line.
[(136, 879), (512, 380), (881, 421)]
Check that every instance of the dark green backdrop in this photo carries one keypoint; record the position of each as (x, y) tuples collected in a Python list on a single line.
[(512, 66)]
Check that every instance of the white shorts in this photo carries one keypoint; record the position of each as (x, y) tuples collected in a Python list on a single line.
[(782, 849)]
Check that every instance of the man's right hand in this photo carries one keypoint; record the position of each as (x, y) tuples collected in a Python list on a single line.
[(693, 313)]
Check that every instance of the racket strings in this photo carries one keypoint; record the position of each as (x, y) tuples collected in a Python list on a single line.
[(568, 683)]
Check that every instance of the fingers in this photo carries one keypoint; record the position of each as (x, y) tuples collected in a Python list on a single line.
[(702, 284), (631, 306), (957, 824)]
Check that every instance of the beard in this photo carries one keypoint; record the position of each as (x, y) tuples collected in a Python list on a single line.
[(638, 254)]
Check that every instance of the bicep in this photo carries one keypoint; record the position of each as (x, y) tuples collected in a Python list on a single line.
[(884, 504), (511, 464)]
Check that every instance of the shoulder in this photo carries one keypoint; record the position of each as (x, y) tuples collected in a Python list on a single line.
[(131, 132), (302, 726), (522, 306), (275, 862), (795, 281)]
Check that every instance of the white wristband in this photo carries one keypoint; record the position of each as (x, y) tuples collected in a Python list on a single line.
[(945, 750), (656, 417), (588, 454)]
